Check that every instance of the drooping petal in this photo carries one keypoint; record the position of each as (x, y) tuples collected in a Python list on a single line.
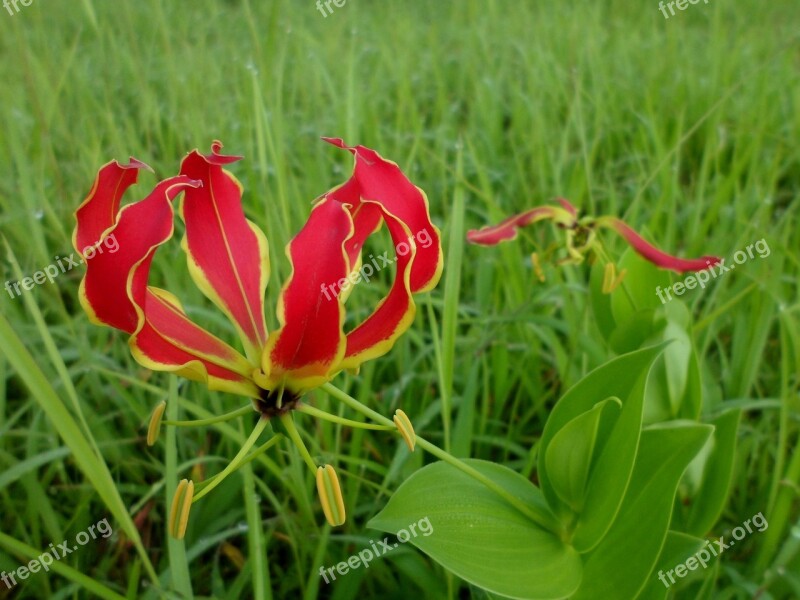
[(114, 292), (310, 343), (137, 231), (382, 182), (99, 209), (377, 334), (227, 254), (507, 229), (653, 254), (169, 341)]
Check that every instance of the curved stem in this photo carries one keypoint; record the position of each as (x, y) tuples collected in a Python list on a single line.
[(250, 457), (210, 421), (542, 518), (315, 412), (237, 461), (294, 435)]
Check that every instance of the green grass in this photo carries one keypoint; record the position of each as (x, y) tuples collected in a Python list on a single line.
[(687, 127)]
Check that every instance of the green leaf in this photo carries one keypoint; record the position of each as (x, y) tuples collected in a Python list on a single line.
[(634, 332), (479, 536), (83, 449), (674, 389), (569, 455), (677, 548), (620, 565), (624, 378), (708, 501), (638, 289)]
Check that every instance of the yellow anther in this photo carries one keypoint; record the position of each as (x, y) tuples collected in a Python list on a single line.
[(537, 266), (155, 423), (181, 507), (330, 495), (406, 429), (618, 280), (608, 277)]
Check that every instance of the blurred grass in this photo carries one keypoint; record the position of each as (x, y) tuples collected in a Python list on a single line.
[(688, 127)]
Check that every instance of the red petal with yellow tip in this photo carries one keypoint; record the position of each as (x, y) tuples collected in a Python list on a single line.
[(227, 254), (506, 230), (309, 344), (99, 210), (656, 256), (114, 292), (382, 182), (394, 314)]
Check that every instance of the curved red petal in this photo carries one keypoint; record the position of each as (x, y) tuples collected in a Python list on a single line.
[(395, 313), (99, 209), (381, 181), (227, 255), (507, 229), (114, 292), (656, 256), (310, 343)]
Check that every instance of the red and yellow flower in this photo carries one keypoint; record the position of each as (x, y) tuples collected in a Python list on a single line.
[(228, 260), (581, 236)]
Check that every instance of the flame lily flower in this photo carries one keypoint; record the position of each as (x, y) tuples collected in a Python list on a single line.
[(581, 236), (228, 260)]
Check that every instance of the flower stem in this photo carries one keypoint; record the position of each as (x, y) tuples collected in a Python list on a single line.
[(294, 435), (210, 421), (321, 414), (538, 516), (237, 461)]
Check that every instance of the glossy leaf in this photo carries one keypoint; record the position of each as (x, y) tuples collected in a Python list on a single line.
[(677, 547), (620, 565), (638, 289), (708, 501), (479, 536), (624, 377), (569, 455)]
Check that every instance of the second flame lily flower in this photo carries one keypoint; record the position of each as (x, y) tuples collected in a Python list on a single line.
[(581, 236)]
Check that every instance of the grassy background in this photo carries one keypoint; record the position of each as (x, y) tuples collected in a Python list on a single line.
[(688, 127)]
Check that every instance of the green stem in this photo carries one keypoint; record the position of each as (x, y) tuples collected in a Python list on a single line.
[(250, 457), (315, 412), (541, 518), (237, 461), (294, 435), (210, 421)]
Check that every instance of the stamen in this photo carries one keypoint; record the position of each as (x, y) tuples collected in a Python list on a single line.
[(618, 280), (537, 266), (330, 495), (321, 414), (608, 277), (210, 421), (294, 435), (181, 507), (237, 461), (406, 429), (155, 423)]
